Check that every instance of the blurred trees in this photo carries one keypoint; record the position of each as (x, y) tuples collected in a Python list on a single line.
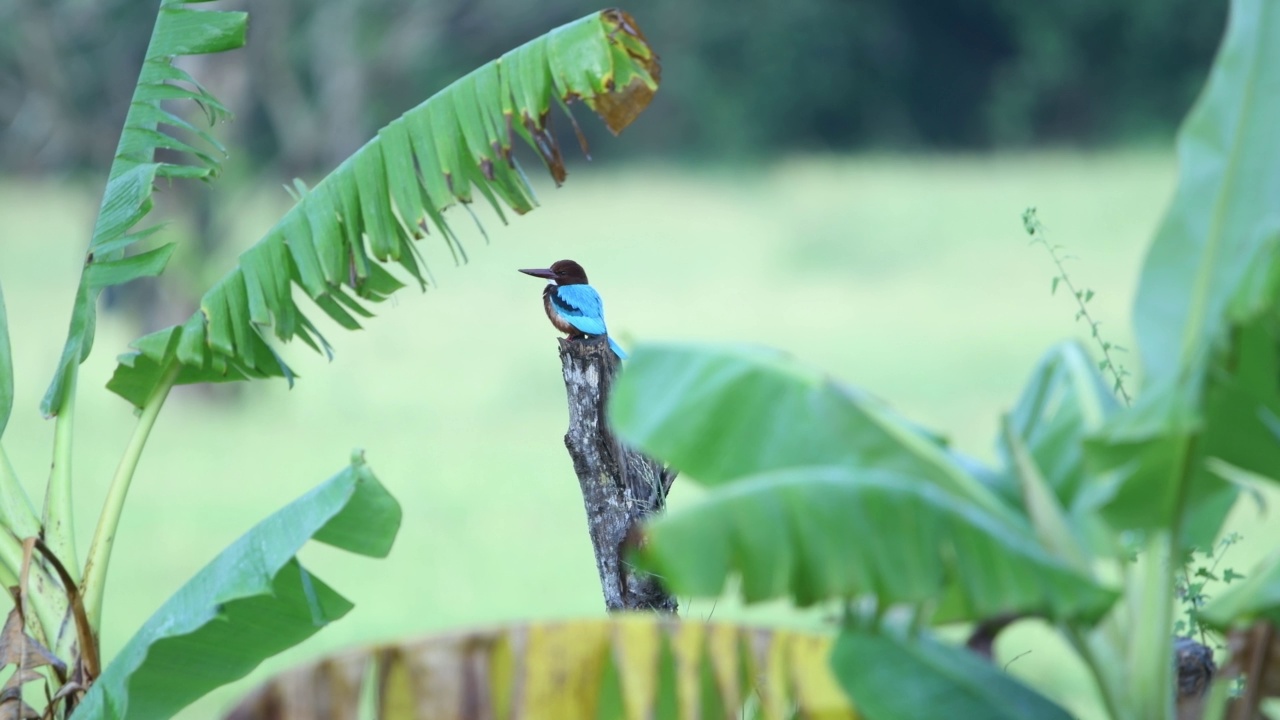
[(744, 77), (67, 69)]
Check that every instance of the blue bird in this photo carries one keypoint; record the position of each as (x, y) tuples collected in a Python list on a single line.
[(573, 306)]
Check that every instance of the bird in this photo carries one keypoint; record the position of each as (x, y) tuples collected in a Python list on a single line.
[(573, 306)]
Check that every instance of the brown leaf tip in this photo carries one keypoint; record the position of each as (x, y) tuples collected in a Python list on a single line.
[(623, 104)]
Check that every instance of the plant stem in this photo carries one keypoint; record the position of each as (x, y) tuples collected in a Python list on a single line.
[(1192, 599), (1216, 700), (47, 596), (59, 528), (1104, 673), (10, 559), (8, 577), (43, 593), (16, 512), (1151, 614), (95, 569)]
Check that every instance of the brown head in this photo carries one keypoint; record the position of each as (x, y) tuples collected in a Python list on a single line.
[(563, 272)]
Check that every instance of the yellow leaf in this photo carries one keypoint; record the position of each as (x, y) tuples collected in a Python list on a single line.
[(558, 671), (687, 640), (636, 644)]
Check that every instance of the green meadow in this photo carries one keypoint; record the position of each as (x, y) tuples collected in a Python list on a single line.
[(910, 277)]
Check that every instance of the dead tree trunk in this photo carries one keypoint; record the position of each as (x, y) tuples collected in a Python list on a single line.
[(620, 487)]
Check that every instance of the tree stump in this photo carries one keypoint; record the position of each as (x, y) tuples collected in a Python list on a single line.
[(621, 488)]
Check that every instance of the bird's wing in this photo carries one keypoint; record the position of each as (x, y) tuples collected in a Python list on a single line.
[(580, 305)]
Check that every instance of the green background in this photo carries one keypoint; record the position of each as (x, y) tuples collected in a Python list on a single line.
[(908, 276)]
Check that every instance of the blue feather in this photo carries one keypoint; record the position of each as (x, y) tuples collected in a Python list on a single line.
[(581, 307)]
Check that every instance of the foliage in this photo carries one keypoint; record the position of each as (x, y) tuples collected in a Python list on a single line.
[(179, 30), (252, 601), (1256, 597), (627, 666), (256, 599), (1193, 582), (1196, 574), (1082, 297), (823, 75), (385, 195), (6, 369), (952, 683), (1114, 494), (817, 469)]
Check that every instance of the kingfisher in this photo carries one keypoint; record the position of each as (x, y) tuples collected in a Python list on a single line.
[(573, 306)]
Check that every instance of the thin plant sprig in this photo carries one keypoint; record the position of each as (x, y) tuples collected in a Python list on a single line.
[(1192, 593), (1033, 227)]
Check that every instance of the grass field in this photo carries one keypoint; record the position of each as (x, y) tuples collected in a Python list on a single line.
[(910, 277)]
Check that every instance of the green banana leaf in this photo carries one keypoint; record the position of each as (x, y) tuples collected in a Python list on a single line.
[(370, 210), (252, 601), (1222, 221), (821, 533), (892, 677), (1206, 309), (723, 413), (180, 30)]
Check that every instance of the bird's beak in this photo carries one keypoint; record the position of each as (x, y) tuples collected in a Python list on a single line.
[(544, 273)]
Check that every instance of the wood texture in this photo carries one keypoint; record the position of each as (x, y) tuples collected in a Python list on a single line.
[(621, 488)]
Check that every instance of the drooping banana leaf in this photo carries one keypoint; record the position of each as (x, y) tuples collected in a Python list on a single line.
[(896, 677), (814, 534), (636, 666), (252, 601), (180, 30), (368, 212), (719, 414)]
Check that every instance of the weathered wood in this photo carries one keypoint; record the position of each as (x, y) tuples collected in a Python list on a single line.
[(620, 487)]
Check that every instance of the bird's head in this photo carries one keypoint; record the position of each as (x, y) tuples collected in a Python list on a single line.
[(563, 272)]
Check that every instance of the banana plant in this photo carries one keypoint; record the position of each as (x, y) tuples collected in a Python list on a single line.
[(348, 242), (820, 493), (631, 665)]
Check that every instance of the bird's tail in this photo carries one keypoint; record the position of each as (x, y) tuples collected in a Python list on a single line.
[(622, 355)]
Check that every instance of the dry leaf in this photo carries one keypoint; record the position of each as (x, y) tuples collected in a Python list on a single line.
[(19, 649)]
